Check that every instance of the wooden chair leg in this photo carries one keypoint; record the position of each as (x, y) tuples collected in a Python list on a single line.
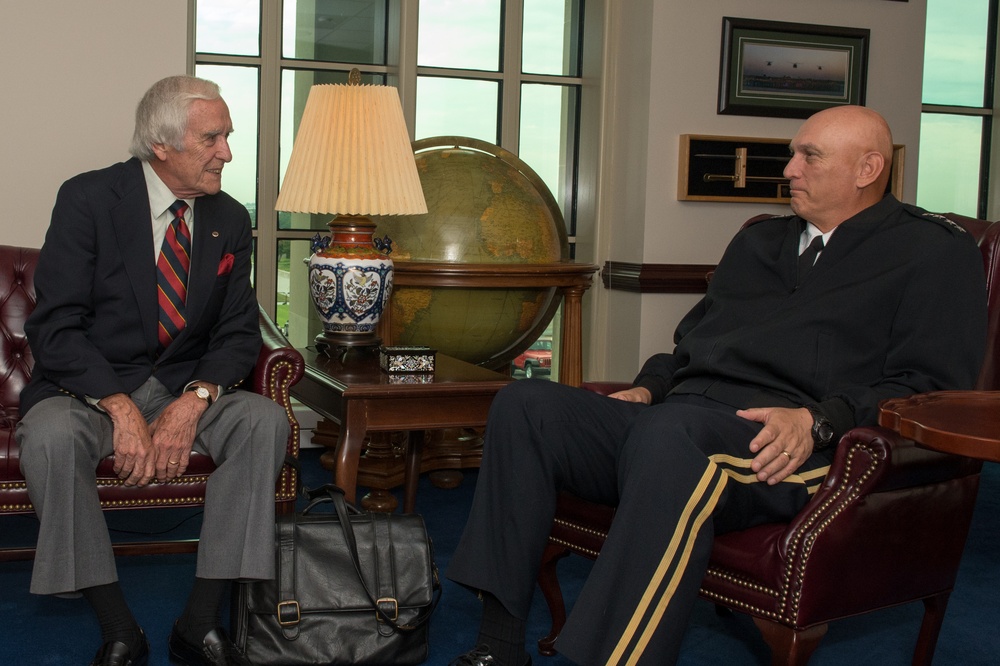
[(790, 647), (548, 581), (930, 628)]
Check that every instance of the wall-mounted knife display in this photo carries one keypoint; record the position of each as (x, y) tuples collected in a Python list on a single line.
[(719, 168), (745, 169)]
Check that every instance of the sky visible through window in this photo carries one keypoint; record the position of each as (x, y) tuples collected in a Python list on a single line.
[(232, 27), (955, 52), (954, 75)]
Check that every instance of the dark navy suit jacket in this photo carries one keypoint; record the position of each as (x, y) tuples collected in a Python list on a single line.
[(93, 331)]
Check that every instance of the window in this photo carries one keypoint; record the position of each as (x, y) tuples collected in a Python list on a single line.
[(507, 72), (957, 121)]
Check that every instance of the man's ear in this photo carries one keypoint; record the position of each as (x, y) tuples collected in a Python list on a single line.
[(160, 150), (871, 167)]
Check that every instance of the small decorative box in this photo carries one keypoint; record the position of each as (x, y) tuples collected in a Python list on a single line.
[(412, 378), (406, 359)]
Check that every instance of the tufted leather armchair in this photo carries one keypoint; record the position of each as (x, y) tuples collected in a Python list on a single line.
[(278, 368), (887, 527)]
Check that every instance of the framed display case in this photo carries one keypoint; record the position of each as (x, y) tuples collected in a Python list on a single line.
[(746, 169)]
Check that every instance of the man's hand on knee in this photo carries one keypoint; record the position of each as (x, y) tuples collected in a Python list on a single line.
[(134, 462), (782, 445), (173, 433)]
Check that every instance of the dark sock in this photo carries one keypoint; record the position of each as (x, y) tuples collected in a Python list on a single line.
[(201, 614), (114, 616), (502, 633)]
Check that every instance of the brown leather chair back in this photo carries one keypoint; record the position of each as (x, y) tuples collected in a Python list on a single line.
[(17, 300)]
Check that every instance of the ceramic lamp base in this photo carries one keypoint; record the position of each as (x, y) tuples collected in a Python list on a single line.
[(350, 282)]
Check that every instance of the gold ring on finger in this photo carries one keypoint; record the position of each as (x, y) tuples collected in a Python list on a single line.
[(786, 454)]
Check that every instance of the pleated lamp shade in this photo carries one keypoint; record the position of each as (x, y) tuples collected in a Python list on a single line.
[(352, 155)]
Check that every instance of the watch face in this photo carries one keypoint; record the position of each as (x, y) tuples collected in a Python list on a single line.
[(202, 393), (823, 431)]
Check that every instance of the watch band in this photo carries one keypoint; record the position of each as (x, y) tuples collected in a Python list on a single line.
[(822, 429)]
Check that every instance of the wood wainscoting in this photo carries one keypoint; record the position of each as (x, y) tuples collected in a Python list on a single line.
[(657, 278)]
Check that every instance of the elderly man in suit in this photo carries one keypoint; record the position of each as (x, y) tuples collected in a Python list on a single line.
[(146, 321)]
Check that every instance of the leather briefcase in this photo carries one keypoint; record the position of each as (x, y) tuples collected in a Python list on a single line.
[(350, 588)]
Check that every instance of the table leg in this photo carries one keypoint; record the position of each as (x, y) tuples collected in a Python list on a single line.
[(351, 441), (414, 453)]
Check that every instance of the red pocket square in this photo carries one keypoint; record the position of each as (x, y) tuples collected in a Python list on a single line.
[(226, 265)]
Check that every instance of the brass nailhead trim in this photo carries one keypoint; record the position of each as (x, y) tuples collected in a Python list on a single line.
[(580, 528), (571, 546)]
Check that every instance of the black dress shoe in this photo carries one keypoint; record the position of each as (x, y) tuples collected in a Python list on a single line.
[(215, 650), (115, 653), (480, 656)]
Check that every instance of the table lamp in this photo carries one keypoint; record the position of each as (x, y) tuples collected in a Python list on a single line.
[(351, 158)]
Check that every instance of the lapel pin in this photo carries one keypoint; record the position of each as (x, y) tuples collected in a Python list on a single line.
[(215, 234)]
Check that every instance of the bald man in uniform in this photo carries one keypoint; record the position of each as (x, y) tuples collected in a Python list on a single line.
[(810, 320)]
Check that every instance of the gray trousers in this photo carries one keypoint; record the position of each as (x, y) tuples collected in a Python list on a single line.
[(61, 441)]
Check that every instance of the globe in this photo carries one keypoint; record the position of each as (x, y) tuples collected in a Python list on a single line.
[(485, 207)]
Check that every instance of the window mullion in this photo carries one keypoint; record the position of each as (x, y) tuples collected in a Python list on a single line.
[(268, 158), (510, 101), (402, 58)]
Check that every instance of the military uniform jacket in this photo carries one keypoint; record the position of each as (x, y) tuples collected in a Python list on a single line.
[(895, 305)]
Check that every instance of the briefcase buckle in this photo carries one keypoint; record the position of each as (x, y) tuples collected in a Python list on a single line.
[(393, 613), (289, 613)]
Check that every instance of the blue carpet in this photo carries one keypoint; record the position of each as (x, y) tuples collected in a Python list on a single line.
[(43, 630)]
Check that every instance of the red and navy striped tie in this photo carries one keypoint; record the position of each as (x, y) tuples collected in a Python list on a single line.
[(172, 268)]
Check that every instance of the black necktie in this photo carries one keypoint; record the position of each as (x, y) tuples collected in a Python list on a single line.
[(808, 258)]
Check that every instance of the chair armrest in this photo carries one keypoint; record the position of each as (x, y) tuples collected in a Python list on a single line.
[(279, 366), (871, 460), (605, 388)]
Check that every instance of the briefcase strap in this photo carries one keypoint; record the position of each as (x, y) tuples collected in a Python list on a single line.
[(289, 613), (381, 605)]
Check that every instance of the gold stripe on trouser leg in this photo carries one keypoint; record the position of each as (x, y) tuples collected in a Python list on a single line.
[(665, 566)]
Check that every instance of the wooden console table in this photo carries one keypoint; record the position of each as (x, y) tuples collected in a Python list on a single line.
[(363, 399), (965, 423)]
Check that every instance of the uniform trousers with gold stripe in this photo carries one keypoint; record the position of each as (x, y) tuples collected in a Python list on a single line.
[(678, 471)]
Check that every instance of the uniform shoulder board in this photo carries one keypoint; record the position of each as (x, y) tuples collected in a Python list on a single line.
[(936, 217), (763, 217)]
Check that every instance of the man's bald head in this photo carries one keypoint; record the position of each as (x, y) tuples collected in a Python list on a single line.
[(841, 158)]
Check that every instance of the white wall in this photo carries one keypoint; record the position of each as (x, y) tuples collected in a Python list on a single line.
[(666, 81), (72, 75)]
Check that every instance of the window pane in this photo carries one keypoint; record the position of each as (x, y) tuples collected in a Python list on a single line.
[(335, 30), (462, 34), (239, 89), (548, 144), (295, 86), (550, 37), (457, 107), (955, 52), (950, 155), (295, 313), (228, 26)]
